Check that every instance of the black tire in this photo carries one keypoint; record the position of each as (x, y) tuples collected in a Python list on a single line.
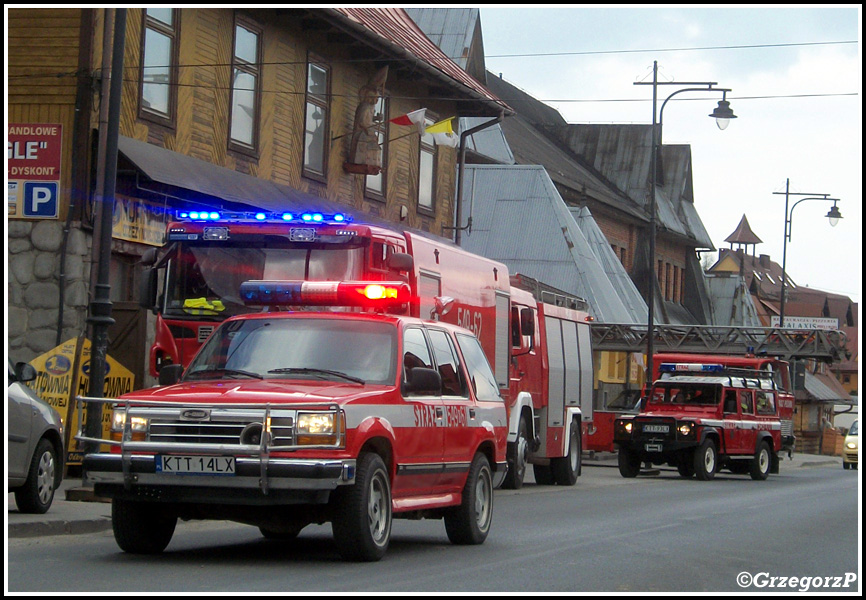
[(629, 462), (469, 523), (686, 466), (141, 527), (543, 475), (759, 468), (37, 493), (706, 460), (362, 512), (846, 466), (518, 458), (566, 469)]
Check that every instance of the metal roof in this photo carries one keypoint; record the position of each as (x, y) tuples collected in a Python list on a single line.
[(519, 218), (732, 303), (489, 143), (449, 28)]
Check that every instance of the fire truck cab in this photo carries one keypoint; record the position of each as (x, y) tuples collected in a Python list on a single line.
[(701, 418), (289, 418)]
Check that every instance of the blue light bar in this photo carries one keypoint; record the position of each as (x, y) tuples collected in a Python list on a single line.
[(313, 218)]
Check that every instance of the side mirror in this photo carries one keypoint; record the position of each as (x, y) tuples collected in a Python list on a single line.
[(527, 322), (400, 261), (147, 289), (424, 381), (24, 372), (170, 374)]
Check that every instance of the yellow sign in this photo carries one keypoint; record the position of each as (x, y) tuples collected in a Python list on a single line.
[(137, 220), (56, 384)]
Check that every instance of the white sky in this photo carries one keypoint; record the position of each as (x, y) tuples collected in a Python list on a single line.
[(814, 141)]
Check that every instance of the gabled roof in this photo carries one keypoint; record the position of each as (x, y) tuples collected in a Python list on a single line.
[(397, 34), (519, 219)]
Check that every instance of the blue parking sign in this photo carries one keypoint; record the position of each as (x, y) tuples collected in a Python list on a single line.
[(40, 199)]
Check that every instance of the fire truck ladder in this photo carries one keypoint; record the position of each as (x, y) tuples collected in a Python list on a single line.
[(787, 344)]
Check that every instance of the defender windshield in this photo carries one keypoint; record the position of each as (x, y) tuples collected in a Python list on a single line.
[(205, 280), (346, 350), (686, 393)]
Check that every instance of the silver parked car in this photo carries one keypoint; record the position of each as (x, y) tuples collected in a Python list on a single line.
[(35, 448)]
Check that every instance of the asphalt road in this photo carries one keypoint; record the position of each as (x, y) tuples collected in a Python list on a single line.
[(607, 534)]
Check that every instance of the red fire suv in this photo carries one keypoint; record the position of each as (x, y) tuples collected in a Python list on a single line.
[(700, 418), (289, 418)]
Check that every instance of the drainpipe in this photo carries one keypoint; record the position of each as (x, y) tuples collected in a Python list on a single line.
[(458, 217)]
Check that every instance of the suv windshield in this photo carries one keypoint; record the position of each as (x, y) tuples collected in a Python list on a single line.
[(686, 393), (853, 430), (344, 350)]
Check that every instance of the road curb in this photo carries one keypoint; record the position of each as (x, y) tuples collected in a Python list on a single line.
[(49, 528)]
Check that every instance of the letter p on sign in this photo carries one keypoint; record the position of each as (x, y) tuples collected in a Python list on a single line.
[(40, 199)]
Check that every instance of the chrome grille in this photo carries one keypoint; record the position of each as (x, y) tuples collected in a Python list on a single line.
[(223, 427)]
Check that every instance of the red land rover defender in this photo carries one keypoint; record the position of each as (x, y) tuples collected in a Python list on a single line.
[(701, 418)]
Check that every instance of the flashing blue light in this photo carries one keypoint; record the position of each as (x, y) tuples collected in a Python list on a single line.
[(307, 217), (215, 216), (339, 218), (318, 218), (260, 216), (193, 215), (184, 215), (288, 216)]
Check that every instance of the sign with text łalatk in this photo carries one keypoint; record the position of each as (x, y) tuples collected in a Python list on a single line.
[(33, 170), (57, 383), (823, 323)]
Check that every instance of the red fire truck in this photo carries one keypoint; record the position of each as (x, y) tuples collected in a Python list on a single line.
[(289, 418), (548, 387), (702, 416)]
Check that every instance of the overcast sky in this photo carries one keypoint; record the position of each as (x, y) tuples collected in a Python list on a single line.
[(816, 141)]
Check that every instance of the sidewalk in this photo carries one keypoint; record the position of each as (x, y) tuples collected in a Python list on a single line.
[(71, 515)]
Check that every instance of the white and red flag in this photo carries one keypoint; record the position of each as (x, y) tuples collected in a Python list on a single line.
[(416, 117)]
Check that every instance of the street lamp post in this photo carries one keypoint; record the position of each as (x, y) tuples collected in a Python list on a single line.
[(834, 215), (723, 114)]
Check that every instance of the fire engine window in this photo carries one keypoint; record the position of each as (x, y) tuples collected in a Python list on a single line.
[(415, 352), (448, 364), (480, 373), (730, 402), (766, 403), (746, 403)]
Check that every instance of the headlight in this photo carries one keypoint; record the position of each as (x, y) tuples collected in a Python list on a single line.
[(137, 426), (628, 427), (320, 429), (685, 429), (851, 445)]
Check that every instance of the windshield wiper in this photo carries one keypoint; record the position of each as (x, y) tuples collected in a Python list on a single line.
[(226, 372), (297, 370)]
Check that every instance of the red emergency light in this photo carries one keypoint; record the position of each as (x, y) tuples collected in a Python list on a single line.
[(371, 294)]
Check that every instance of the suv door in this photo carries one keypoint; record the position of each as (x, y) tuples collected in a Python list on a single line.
[(20, 414), (460, 410), (420, 442)]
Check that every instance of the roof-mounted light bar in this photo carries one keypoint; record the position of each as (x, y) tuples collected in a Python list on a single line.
[(369, 294), (690, 368), (307, 217)]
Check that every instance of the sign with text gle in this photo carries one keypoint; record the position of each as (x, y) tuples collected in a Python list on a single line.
[(33, 153)]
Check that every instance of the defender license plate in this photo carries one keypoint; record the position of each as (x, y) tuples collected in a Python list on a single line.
[(656, 428), (195, 465), (653, 447)]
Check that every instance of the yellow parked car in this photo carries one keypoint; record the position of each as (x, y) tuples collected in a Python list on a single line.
[(849, 452)]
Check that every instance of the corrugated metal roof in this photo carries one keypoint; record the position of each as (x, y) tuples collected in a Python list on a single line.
[(732, 304), (519, 218), (490, 142), (403, 36), (449, 28)]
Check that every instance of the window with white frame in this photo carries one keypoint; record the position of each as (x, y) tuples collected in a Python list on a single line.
[(316, 118), (427, 172), (157, 100), (246, 87)]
